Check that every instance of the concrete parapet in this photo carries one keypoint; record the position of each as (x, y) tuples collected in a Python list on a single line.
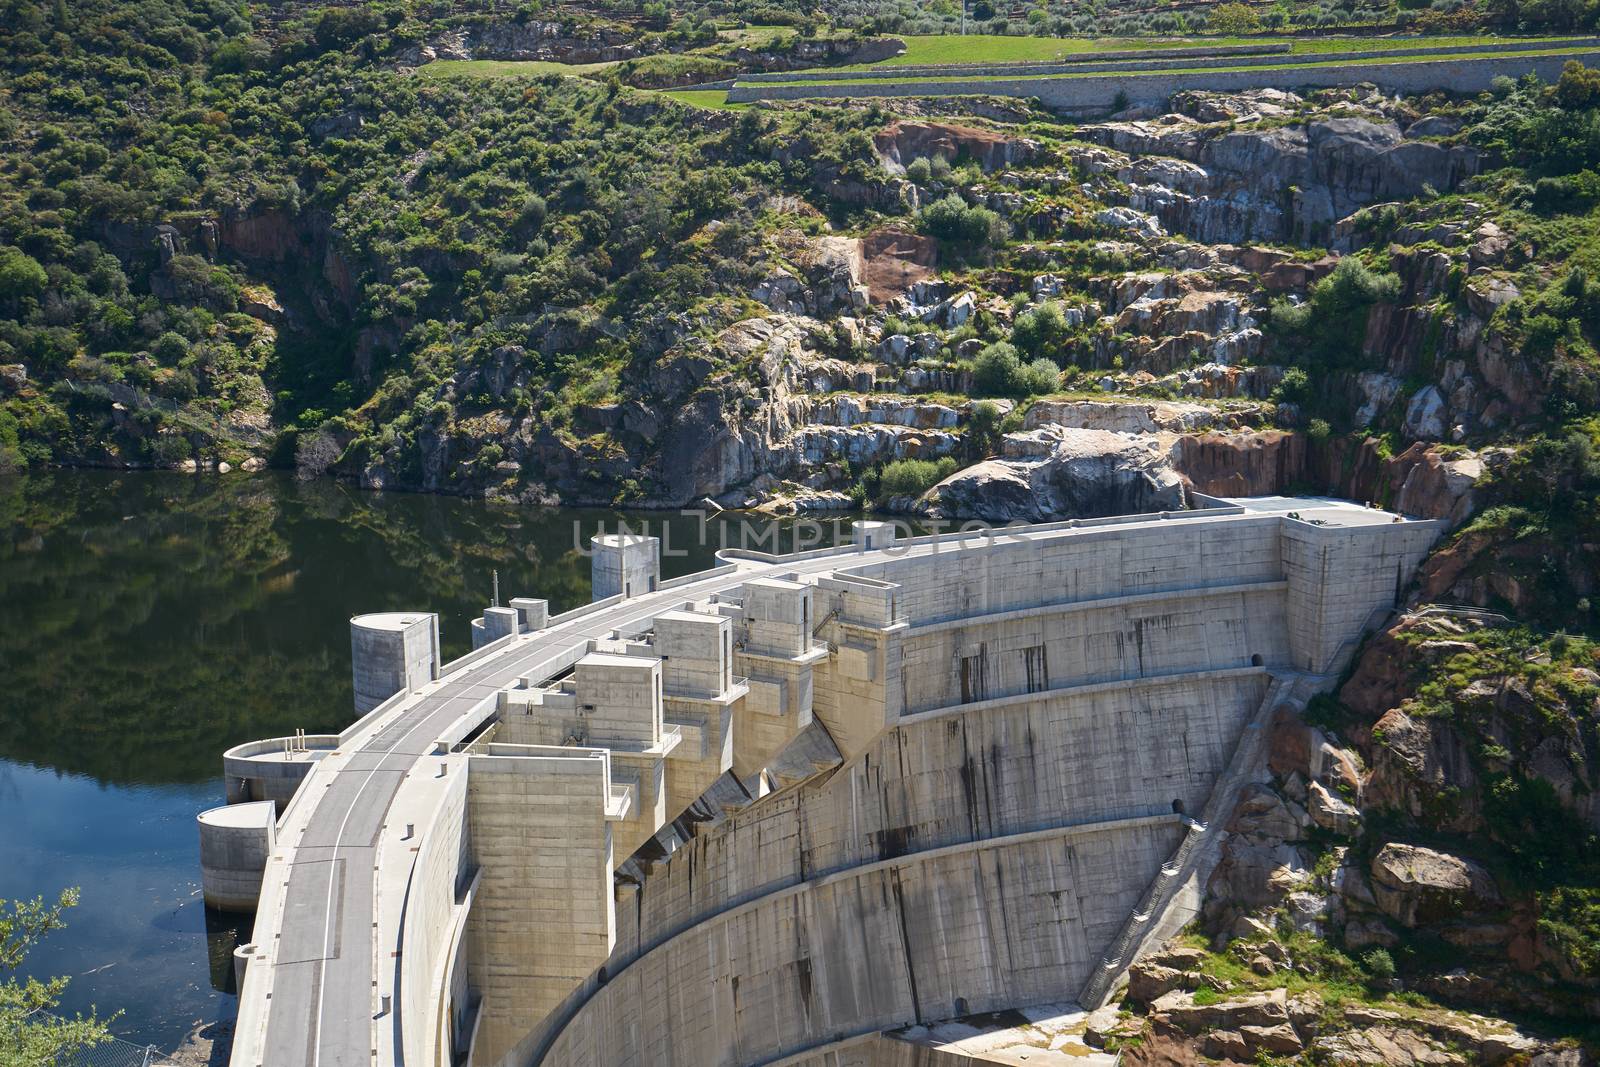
[(1176, 59), (235, 841), (1121, 59), (532, 614), (873, 535), (391, 651), (624, 564), (274, 768)]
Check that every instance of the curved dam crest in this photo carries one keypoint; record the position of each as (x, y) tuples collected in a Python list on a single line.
[(778, 810)]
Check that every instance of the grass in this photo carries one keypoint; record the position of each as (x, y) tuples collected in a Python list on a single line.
[(756, 36), (987, 48), (978, 80), (938, 50), (715, 99)]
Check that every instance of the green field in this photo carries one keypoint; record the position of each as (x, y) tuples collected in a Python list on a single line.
[(715, 99), (987, 48), (979, 79), (976, 48)]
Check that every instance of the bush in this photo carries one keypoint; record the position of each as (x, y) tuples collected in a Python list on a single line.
[(913, 477), (1040, 376), (171, 449), (1578, 87), (966, 229), (1379, 968), (919, 170), (999, 371), (1041, 330), (1294, 388), (20, 274), (1327, 330), (1233, 17), (995, 370)]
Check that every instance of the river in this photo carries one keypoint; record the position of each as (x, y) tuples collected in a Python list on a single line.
[(148, 621)]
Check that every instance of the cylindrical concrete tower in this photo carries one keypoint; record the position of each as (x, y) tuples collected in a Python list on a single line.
[(235, 841), (624, 563), (391, 651)]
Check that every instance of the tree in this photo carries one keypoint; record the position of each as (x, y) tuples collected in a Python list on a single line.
[(20, 274), (1578, 87), (28, 1034), (1042, 330), (1234, 17), (967, 229)]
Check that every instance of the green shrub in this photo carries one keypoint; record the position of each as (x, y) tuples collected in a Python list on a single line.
[(995, 370), (967, 229), (1294, 388), (920, 171), (1379, 968), (1041, 330), (913, 477), (1327, 330)]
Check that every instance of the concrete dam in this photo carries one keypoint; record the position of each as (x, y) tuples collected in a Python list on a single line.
[(801, 809)]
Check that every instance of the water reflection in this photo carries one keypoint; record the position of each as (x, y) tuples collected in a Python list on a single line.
[(150, 621)]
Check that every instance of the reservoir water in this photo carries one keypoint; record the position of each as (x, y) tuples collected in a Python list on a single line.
[(148, 621)]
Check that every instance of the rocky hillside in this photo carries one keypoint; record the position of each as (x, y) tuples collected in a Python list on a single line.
[(1419, 872), (247, 236)]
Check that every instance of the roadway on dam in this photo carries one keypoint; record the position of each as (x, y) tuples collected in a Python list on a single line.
[(320, 954), (321, 1012)]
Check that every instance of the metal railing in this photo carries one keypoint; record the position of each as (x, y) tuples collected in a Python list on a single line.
[(112, 1052)]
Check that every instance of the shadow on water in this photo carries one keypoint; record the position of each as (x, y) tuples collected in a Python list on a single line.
[(152, 620)]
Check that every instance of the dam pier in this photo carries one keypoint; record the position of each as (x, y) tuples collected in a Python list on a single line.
[(779, 811)]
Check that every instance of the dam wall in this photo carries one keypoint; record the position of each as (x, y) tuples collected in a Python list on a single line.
[(971, 928), (744, 817)]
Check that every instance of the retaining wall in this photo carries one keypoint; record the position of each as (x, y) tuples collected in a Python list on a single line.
[(1086, 94), (1099, 62)]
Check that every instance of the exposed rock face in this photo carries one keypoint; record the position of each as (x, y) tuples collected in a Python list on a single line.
[(1240, 464), (901, 142), (1132, 416), (1416, 885), (1422, 768), (893, 261), (1216, 182), (1057, 473)]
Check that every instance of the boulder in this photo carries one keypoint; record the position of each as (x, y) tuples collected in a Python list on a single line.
[(1148, 980), (1367, 933), (1262, 813), (1240, 464), (1266, 1010), (1425, 415), (1332, 812), (1057, 473), (1416, 886), (1382, 1046)]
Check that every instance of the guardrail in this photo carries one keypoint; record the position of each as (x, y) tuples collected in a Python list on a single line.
[(978, 532)]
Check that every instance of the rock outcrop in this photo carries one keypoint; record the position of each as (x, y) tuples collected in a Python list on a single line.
[(901, 142), (1219, 181), (1056, 473)]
